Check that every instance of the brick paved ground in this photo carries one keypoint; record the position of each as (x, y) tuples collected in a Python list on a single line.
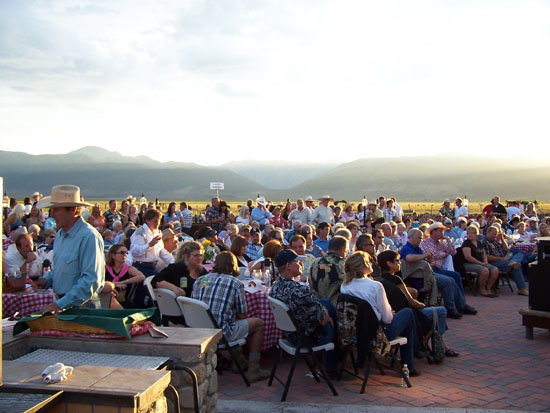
[(498, 368)]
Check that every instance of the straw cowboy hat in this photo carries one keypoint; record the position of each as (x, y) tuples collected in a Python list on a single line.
[(326, 197), (261, 201), (62, 196), (437, 225)]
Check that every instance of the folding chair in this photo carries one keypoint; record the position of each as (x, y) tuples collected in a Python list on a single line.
[(166, 302), (286, 322), (150, 289), (347, 311), (198, 315), (470, 276), (504, 278)]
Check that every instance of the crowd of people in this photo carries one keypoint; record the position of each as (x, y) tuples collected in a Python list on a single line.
[(398, 263)]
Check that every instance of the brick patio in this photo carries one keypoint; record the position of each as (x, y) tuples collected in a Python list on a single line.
[(498, 368)]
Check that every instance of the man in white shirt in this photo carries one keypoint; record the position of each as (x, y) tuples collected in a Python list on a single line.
[(185, 215), (460, 210), (323, 213), (21, 259), (513, 209), (301, 213)]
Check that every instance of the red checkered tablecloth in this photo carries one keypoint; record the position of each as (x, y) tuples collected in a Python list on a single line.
[(525, 247), (258, 306), (25, 303)]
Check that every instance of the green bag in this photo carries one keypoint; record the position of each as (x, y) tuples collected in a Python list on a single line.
[(113, 320)]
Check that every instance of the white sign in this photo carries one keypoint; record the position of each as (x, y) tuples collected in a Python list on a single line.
[(216, 185)]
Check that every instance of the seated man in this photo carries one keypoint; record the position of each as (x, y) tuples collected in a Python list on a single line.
[(412, 253), (296, 230), (358, 284), (224, 294), (255, 243), (442, 247), (322, 236), (498, 254), (20, 259), (388, 240), (311, 316), (327, 273)]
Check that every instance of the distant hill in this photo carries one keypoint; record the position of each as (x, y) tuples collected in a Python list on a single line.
[(433, 178), (278, 174), (103, 174)]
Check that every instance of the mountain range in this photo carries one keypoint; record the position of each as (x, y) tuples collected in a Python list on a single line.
[(103, 174)]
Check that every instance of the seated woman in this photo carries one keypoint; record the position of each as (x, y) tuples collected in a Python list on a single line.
[(270, 250), (36, 217), (399, 297), (348, 214), (244, 216), (277, 220), (15, 217), (97, 220), (238, 248), (120, 277), (475, 260), (170, 214), (180, 276), (356, 283)]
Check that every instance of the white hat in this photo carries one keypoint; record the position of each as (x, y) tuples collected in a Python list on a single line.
[(309, 199), (261, 201), (37, 194), (533, 218), (437, 225), (62, 196), (326, 197)]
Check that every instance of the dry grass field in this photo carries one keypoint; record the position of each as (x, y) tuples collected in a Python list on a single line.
[(419, 207)]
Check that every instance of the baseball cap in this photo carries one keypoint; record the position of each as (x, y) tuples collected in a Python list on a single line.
[(286, 256), (255, 230)]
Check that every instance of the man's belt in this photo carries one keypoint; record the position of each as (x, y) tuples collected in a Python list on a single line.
[(148, 264)]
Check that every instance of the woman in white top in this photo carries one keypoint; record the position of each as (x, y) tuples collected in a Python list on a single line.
[(356, 283), (244, 216)]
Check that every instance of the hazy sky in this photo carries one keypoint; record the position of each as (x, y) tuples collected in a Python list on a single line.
[(219, 80)]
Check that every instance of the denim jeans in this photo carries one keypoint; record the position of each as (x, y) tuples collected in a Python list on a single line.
[(441, 316), (517, 274), (331, 361), (455, 276), (450, 292), (403, 324)]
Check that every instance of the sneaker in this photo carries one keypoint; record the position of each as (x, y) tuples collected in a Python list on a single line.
[(523, 291)]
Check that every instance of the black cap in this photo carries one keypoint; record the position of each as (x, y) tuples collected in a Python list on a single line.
[(286, 256)]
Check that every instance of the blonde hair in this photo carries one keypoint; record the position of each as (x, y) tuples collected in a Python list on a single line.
[(472, 228), (354, 265), (185, 250)]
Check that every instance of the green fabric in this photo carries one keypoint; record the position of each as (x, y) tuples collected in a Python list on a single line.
[(115, 321)]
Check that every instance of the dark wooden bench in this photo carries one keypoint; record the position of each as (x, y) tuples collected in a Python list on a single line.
[(534, 318)]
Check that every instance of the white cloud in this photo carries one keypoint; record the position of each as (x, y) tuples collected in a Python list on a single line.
[(271, 79)]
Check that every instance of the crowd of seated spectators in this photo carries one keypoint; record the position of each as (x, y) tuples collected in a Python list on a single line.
[(341, 246)]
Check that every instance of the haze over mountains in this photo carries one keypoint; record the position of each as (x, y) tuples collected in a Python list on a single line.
[(103, 174)]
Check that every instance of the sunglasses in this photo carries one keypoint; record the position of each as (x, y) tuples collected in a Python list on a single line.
[(51, 236), (122, 252)]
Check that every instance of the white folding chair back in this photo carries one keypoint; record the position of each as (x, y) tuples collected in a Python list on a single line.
[(150, 289), (166, 301), (280, 312), (195, 312)]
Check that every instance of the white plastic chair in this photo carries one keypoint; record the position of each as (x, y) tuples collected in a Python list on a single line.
[(150, 289), (197, 314), (166, 302), (285, 322)]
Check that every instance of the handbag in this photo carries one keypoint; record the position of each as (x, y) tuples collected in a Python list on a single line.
[(437, 352), (13, 284), (381, 345)]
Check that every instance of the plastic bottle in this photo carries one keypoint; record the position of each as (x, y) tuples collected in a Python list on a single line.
[(406, 372)]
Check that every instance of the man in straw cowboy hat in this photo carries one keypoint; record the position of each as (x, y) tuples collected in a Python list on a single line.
[(78, 271), (323, 213)]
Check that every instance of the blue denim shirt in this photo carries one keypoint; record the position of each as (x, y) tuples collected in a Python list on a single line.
[(78, 269)]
